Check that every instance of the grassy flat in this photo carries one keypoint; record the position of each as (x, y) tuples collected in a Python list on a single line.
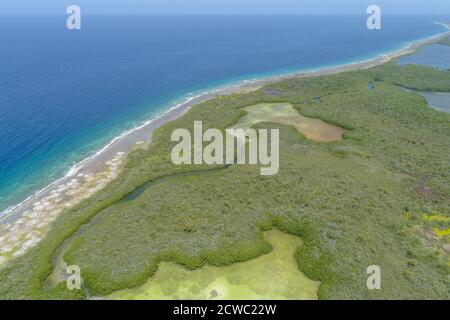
[(271, 276)]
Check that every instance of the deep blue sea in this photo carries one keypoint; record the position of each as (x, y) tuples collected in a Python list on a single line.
[(64, 94)]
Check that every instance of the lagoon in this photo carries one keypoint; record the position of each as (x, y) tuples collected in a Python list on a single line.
[(434, 55), (438, 100)]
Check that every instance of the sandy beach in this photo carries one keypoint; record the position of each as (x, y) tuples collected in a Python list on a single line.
[(25, 224)]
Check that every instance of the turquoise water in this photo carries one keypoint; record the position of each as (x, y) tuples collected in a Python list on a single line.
[(65, 94), (435, 55)]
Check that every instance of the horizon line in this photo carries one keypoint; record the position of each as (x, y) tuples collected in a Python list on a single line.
[(228, 13)]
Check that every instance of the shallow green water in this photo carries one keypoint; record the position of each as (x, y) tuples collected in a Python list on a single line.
[(437, 100), (272, 276)]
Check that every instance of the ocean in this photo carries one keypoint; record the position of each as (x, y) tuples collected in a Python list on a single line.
[(65, 94)]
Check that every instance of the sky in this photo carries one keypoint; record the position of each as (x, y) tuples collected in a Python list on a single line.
[(441, 7)]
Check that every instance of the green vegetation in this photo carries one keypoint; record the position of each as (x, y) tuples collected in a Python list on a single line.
[(271, 276), (353, 202)]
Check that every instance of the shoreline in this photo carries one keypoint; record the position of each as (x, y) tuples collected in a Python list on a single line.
[(141, 135)]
